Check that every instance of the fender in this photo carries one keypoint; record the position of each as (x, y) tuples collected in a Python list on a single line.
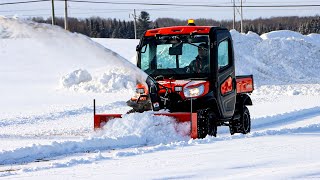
[(244, 99)]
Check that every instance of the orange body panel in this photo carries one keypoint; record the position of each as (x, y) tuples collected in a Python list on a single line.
[(226, 86), (186, 30), (244, 84)]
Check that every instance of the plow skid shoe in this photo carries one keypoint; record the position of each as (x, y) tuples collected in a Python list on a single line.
[(101, 119)]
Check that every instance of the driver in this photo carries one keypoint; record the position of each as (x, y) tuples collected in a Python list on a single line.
[(201, 63)]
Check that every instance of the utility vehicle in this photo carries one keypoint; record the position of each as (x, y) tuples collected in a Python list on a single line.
[(208, 97)]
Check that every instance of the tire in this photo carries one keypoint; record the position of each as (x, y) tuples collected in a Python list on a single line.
[(242, 125), (206, 123), (212, 124), (232, 128), (245, 121)]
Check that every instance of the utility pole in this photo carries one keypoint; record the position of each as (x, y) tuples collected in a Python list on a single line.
[(234, 13), (135, 23), (239, 10), (241, 17), (65, 15), (53, 17)]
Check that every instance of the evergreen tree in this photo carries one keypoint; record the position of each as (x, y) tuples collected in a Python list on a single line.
[(115, 33), (143, 23), (130, 30), (106, 28)]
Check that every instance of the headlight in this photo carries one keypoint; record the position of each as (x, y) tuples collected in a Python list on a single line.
[(140, 91), (194, 91)]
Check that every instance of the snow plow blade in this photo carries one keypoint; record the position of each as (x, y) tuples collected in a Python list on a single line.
[(101, 119)]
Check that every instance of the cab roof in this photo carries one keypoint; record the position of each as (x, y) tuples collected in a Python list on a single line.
[(176, 30)]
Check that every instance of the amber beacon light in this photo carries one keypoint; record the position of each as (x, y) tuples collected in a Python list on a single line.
[(191, 22)]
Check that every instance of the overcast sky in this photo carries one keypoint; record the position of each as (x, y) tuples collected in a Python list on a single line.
[(83, 10)]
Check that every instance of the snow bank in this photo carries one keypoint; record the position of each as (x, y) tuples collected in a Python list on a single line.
[(282, 57), (314, 39), (289, 90), (42, 60), (133, 130), (282, 34), (68, 51)]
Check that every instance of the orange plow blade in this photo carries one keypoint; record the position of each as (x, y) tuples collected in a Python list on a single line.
[(101, 119)]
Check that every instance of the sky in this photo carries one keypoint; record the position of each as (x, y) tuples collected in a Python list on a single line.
[(125, 11)]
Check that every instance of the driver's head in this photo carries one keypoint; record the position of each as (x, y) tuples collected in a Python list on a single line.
[(203, 50)]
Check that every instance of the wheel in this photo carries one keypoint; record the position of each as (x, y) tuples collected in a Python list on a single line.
[(232, 128), (245, 121), (212, 124), (241, 125), (206, 123)]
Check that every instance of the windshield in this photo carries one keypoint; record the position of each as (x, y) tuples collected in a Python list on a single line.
[(175, 56)]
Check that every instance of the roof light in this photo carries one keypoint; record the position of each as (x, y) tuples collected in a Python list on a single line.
[(191, 22)]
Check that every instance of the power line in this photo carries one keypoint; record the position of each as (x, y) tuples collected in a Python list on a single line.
[(275, 1), (26, 10), (192, 5), (126, 9), (169, 4), (23, 2), (60, 12), (112, 10)]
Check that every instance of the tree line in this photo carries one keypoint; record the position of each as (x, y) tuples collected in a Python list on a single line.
[(97, 27)]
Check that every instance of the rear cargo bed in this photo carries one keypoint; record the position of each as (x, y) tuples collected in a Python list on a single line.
[(244, 84)]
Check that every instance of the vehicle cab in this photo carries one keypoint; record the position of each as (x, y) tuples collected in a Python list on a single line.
[(168, 55)]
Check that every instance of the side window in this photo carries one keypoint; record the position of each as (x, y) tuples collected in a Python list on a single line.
[(223, 54), (145, 55)]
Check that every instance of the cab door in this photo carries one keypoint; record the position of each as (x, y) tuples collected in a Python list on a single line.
[(226, 82)]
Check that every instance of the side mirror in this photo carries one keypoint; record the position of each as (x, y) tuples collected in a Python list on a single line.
[(141, 49), (138, 48), (176, 49)]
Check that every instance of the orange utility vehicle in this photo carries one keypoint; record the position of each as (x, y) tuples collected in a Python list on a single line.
[(193, 86)]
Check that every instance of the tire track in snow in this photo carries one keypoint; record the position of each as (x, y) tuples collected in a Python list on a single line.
[(55, 149), (258, 124), (127, 151), (56, 115), (286, 118)]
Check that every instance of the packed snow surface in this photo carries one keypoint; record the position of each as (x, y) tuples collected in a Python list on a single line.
[(49, 78)]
